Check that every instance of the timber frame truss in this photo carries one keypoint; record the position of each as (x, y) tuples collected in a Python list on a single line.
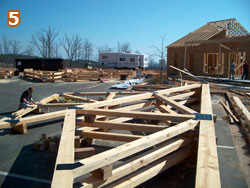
[(165, 135)]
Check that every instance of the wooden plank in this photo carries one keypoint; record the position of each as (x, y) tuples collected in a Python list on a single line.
[(165, 109), (207, 172), (230, 112), (175, 104), (230, 117), (109, 136), (54, 105), (131, 148), (101, 93), (138, 97), (152, 170), (142, 160), (110, 95), (123, 126), (135, 114), (65, 155), (48, 99), (242, 107), (182, 96), (36, 118), (77, 98)]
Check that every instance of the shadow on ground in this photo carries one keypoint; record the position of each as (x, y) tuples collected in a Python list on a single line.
[(33, 164)]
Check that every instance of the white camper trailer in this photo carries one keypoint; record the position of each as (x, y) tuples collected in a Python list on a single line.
[(123, 60)]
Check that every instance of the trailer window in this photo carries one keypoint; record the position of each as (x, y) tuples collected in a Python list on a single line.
[(104, 57), (132, 59), (122, 59)]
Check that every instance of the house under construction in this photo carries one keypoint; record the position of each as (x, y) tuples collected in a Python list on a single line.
[(208, 50)]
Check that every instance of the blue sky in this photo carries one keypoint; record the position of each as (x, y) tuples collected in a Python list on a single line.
[(140, 22)]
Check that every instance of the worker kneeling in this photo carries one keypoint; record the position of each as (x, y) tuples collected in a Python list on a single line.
[(26, 98)]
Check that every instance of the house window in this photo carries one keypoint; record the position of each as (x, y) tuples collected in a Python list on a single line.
[(122, 59), (104, 57), (132, 60), (146, 59)]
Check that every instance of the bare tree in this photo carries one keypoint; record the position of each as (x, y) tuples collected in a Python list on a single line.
[(44, 41), (161, 52), (5, 44), (87, 49), (15, 46), (55, 49), (104, 48), (123, 47), (72, 46), (29, 51)]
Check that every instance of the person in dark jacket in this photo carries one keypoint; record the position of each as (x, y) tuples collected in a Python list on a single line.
[(26, 98), (245, 71)]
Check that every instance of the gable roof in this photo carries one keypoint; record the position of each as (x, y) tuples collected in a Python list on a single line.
[(231, 27)]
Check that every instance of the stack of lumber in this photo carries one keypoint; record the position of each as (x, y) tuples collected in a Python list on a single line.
[(146, 87), (239, 113), (43, 76), (116, 73), (243, 115), (92, 75), (6, 73)]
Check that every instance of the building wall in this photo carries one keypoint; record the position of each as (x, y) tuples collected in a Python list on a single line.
[(198, 56)]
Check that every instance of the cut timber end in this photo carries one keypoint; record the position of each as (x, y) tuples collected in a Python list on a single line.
[(104, 172), (20, 128), (81, 153)]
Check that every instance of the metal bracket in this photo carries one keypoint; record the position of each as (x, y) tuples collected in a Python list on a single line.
[(199, 116)]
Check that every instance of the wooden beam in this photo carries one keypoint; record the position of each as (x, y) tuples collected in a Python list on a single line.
[(32, 119), (109, 136), (175, 104), (65, 155), (207, 172), (138, 97), (142, 160), (81, 153), (131, 148), (135, 114), (110, 95), (123, 126), (54, 105), (77, 98), (229, 111), (182, 96), (152, 169), (165, 109), (103, 173), (242, 107), (100, 93)]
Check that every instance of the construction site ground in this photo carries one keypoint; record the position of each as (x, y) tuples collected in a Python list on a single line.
[(21, 166)]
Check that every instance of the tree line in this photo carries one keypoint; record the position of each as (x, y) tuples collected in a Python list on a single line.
[(46, 44)]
